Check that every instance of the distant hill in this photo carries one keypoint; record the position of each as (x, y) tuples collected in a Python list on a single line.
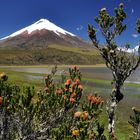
[(44, 43)]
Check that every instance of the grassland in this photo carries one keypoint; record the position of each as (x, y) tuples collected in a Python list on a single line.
[(53, 54)]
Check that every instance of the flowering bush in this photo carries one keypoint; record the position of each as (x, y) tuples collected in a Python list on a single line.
[(56, 112)]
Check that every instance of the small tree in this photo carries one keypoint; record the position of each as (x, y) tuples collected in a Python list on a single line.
[(117, 59)]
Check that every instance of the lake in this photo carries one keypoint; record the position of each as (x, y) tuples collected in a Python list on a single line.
[(90, 72)]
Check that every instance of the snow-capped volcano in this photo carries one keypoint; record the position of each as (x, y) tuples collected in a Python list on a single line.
[(130, 50), (39, 25), (42, 34), (134, 50)]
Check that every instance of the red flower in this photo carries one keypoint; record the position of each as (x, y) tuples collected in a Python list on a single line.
[(65, 97), (73, 85), (80, 87), (77, 114), (72, 100), (90, 98), (95, 100), (66, 84), (73, 95), (77, 81), (69, 81), (85, 115), (59, 91), (1, 100), (74, 67)]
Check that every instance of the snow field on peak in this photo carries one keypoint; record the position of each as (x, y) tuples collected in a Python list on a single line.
[(39, 25)]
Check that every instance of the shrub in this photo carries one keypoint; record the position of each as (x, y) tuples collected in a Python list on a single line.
[(55, 112)]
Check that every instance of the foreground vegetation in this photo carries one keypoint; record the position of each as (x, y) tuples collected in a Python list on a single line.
[(55, 112), (93, 86)]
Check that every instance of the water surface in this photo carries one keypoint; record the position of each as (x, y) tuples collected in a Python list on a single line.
[(102, 73)]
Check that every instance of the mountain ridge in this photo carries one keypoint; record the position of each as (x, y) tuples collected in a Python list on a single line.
[(40, 24), (42, 33)]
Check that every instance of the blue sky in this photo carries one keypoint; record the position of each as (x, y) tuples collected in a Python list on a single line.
[(72, 15)]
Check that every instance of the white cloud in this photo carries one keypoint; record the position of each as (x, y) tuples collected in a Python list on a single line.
[(132, 11), (79, 28), (135, 35)]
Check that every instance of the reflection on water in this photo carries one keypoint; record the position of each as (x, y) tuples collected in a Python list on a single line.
[(90, 72), (32, 70), (35, 70), (105, 74)]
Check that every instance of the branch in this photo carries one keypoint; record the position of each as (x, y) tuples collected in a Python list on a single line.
[(134, 67), (46, 127)]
